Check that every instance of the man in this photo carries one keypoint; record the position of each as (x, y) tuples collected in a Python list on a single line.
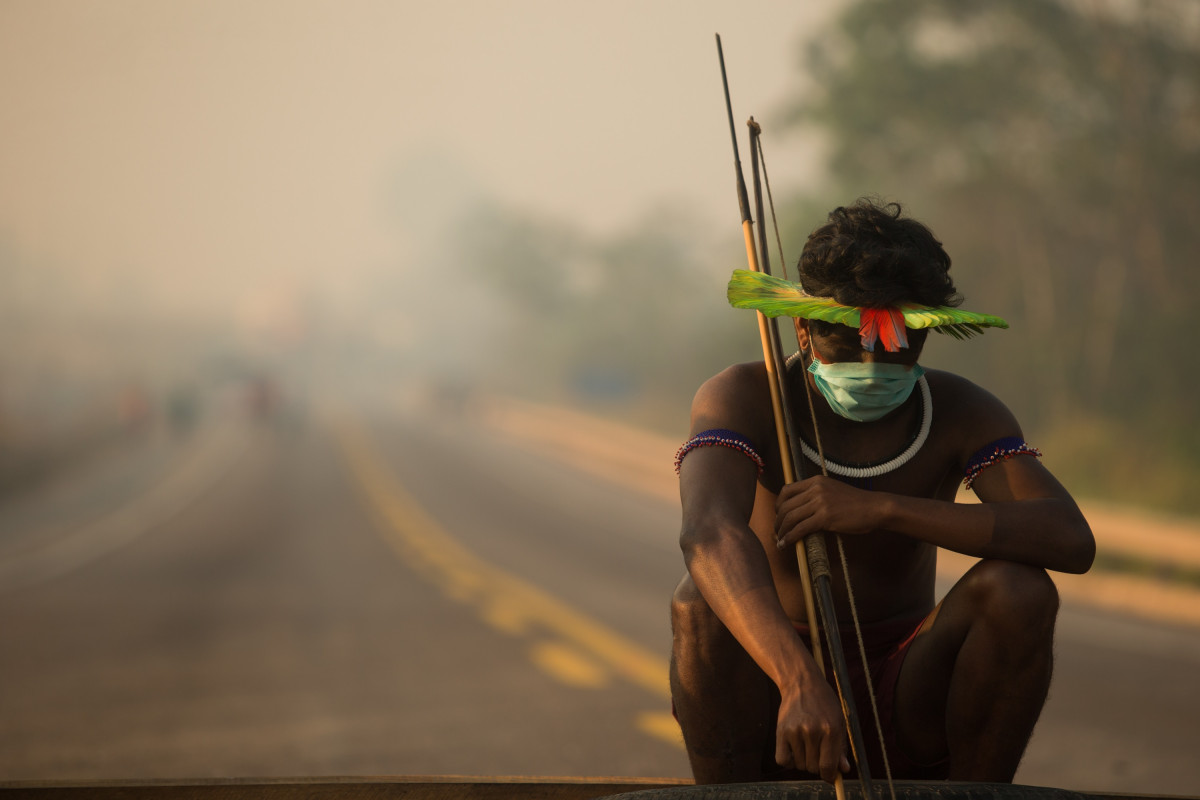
[(959, 684)]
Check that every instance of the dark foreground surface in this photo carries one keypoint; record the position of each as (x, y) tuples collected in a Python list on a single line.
[(413, 788), (495, 788), (903, 790)]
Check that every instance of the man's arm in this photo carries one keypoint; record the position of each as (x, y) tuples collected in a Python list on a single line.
[(1022, 517), (727, 562), (1025, 514)]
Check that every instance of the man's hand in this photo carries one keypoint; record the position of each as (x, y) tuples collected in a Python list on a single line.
[(824, 504), (811, 733)]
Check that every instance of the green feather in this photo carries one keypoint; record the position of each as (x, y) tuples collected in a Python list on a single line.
[(950, 321), (776, 297)]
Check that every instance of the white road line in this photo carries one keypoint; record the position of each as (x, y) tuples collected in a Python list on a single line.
[(202, 465)]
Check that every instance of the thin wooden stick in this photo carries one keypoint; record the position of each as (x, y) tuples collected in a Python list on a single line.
[(814, 568)]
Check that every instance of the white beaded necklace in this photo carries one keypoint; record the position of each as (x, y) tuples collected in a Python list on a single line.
[(875, 470)]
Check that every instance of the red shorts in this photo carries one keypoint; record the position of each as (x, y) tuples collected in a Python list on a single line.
[(886, 644)]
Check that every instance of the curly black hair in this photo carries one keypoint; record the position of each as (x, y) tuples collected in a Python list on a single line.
[(868, 255)]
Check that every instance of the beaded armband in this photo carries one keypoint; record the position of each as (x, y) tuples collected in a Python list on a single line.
[(722, 438), (994, 453)]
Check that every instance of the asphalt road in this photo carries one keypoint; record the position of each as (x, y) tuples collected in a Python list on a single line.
[(389, 594)]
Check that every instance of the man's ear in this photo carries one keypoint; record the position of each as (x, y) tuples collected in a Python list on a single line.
[(801, 332)]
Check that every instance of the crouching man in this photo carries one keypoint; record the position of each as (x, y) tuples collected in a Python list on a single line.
[(959, 684)]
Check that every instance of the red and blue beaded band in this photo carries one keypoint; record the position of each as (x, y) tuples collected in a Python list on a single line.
[(994, 453), (719, 437)]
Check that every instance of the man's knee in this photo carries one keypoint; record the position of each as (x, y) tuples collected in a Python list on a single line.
[(724, 703), (1012, 594), (691, 616), (702, 643)]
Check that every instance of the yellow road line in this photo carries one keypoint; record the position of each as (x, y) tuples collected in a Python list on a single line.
[(661, 725), (586, 650), (570, 665)]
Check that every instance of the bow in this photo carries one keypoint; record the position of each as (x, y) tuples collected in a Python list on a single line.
[(814, 566)]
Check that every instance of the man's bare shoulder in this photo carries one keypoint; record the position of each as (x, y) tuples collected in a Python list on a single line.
[(737, 398), (745, 379), (968, 412)]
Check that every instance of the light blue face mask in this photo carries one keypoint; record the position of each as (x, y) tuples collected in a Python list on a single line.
[(864, 392)]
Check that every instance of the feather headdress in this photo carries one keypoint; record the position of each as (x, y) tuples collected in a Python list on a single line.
[(776, 297)]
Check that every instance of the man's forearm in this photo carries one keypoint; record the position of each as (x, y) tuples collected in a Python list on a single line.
[(1046, 532), (735, 579)]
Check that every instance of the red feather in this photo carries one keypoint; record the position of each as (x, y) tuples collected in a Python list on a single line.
[(868, 328), (882, 324)]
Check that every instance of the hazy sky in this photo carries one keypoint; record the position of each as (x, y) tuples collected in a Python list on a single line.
[(258, 141)]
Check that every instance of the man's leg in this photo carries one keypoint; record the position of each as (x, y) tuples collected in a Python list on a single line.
[(975, 679), (725, 704)]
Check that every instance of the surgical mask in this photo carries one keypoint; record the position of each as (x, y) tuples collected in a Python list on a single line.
[(864, 392)]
